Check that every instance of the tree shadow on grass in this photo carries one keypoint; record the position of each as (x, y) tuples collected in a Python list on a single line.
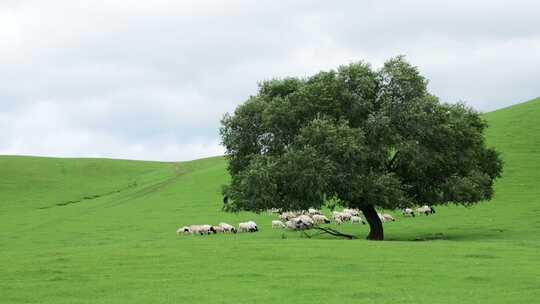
[(417, 236), (462, 236)]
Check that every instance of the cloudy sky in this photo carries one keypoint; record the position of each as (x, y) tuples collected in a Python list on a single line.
[(151, 79)]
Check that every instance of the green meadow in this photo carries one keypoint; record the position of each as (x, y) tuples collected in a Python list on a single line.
[(103, 231)]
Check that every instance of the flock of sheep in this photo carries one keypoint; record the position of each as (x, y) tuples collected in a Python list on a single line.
[(305, 220), (302, 220), (250, 226)]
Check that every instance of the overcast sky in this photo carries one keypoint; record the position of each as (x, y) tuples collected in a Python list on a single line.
[(151, 79)]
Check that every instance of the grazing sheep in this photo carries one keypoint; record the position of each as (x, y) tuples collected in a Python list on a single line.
[(352, 212), (343, 216), (243, 227), (250, 226), (346, 216), (209, 229), (313, 211), (253, 226), (357, 220), (285, 216), (408, 212), (196, 229), (278, 225), (218, 229), (183, 230), (320, 219), (427, 210), (290, 225), (227, 228), (338, 220), (386, 217), (202, 229), (303, 222)]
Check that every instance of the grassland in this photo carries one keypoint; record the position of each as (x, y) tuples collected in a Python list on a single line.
[(103, 231)]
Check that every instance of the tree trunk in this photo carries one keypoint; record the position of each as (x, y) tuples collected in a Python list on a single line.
[(375, 224)]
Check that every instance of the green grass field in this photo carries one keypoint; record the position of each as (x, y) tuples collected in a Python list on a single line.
[(103, 231)]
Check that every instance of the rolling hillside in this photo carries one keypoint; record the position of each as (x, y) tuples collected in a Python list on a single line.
[(103, 231)]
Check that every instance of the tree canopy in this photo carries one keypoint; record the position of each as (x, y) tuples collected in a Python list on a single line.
[(370, 138)]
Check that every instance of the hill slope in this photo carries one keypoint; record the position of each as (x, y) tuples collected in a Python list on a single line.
[(120, 246)]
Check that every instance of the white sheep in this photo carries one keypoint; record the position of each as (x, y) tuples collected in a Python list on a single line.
[(285, 216), (227, 228), (184, 230), (277, 224), (253, 226), (302, 222), (386, 217), (313, 211), (352, 212), (290, 225), (343, 216), (249, 226), (407, 212), (218, 229), (427, 210), (320, 219), (202, 229), (243, 227), (357, 220), (305, 221)]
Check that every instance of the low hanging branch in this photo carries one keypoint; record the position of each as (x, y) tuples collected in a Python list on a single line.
[(335, 232)]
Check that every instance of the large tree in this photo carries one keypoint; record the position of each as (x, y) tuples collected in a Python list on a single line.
[(369, 138)]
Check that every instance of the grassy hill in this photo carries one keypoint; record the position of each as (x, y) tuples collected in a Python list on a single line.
[(103, 231)]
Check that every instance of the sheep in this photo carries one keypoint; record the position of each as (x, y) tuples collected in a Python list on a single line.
[(227, 228), (312, 211), (285, 216), (320, 219), (290, 225), (386, 217), (253, 226), (303, 222), (209, 229), (243, 227), (346, 216), (218, 229), (357, 220), (196, 229), (278, 225), (202, 229), (408, 212), (343, 216), (427, 210), (249, 226), (184, 230), (336, 215), (352, 212), (338, 220)]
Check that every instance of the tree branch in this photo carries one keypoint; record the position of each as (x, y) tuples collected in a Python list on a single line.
[(335, 232)]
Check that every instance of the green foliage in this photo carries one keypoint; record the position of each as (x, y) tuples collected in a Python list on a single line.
[(366, 137)]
